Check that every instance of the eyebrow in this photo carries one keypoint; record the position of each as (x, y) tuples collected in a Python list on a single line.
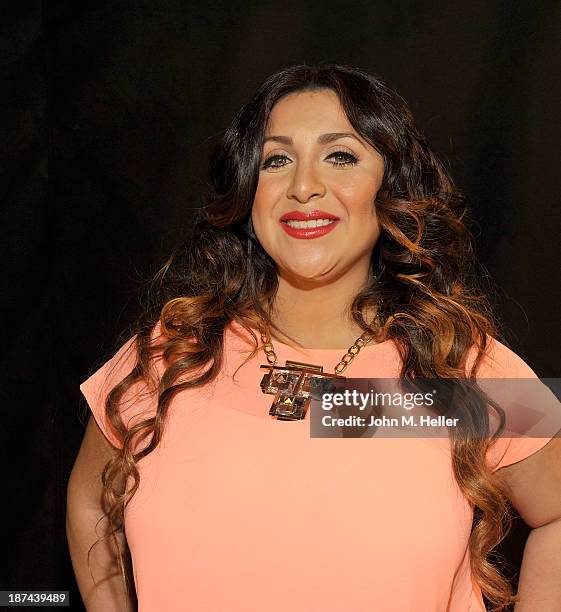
[(322, 138)]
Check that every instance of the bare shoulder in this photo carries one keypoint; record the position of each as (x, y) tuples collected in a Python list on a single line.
[(534, 484)]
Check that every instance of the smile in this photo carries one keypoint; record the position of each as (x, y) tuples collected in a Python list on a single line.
[(309, 229), (312, 223)]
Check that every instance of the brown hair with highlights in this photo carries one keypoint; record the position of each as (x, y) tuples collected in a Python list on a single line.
[(423, 290)]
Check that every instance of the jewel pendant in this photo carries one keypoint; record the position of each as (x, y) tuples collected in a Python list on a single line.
[(293, 386)]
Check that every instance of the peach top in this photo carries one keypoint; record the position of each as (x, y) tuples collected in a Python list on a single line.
[(239, 511)]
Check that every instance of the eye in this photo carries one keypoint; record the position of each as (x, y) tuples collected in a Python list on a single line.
[(351, 160), (269, 162), (348, 159)]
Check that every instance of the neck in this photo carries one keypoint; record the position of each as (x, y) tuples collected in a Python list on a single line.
[(318, 315)]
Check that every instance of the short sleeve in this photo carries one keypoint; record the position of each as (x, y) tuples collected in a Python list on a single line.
[(501, 362), (136, 403)]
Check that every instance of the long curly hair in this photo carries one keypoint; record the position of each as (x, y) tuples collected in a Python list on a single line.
[(423, 289)]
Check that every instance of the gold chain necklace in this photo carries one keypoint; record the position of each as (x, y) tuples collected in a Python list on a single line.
[(294, 383)]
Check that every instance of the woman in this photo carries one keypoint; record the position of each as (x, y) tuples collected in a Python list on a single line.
[(331, 225)]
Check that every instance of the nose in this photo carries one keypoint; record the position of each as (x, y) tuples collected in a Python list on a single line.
[(305, 184)]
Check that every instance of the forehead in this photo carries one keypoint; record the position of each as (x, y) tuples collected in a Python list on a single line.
[(314, 111)]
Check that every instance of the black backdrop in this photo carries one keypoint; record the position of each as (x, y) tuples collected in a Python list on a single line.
[(109, 113)]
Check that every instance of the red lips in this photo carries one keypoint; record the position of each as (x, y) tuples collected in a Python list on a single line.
[(296, 215), (307, 233)]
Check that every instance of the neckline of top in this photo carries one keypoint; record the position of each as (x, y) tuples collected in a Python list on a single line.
[(241, 331)]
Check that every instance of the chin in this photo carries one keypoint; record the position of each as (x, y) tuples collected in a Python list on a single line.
[(308, 275)]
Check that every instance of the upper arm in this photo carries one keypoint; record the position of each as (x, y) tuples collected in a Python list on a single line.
[(84, 485), (534, 484)]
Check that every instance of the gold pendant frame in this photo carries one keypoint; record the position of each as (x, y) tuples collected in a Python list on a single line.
[(293, 386)]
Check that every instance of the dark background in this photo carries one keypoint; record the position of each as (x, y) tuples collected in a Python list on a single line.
[(118, 103)]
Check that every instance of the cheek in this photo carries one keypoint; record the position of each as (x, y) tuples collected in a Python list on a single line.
[(263, 204), (358, 197), (267, 191), (266, 195)]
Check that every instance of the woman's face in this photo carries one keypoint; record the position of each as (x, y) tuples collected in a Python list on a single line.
[(313, 161)]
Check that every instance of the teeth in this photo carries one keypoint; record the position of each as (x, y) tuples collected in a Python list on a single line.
[(307, 224)]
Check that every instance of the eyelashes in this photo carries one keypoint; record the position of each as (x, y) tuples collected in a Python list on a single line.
[(350, 160)]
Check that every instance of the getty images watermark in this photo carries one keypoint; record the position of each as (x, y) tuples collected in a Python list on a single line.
[(405, 401), (389, 407)]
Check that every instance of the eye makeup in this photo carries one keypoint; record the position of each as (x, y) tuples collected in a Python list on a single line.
[(349, 160)]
